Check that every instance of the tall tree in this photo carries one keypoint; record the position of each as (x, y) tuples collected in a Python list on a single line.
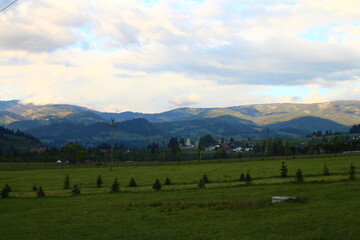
[(74, 152), (207, 140), (173, 143)]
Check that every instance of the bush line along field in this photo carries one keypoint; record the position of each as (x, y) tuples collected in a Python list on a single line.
[(225, 209)]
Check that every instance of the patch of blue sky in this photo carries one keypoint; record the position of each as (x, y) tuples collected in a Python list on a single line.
[(318, 34), (148, 3), (199, 1), (292, 91), (90, 41)]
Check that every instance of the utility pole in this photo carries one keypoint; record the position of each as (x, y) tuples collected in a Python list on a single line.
[(267, 140), (112, 125)]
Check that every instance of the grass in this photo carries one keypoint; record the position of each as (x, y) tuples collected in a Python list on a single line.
[(225, 209)]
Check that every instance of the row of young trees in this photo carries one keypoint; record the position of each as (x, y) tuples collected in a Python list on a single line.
[(115, 187)]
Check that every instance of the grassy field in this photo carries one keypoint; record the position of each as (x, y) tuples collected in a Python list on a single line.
[(225, 209)]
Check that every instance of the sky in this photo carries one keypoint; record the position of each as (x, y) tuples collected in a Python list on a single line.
[(153, 55)]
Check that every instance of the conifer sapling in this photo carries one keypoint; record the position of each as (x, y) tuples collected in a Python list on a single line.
[(206, 179), (242, 177), (67, 182), (284, 170), (75, 190), (167, 181), (99, 181), (132, 183), (201, 183), (326, 171), (5, 192), (248, 178), (157, 185), (115, 187), (8, 188), (352, 172), (299, 176), (40, 192)]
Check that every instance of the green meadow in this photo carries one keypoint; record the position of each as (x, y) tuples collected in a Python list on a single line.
[(327, 206)]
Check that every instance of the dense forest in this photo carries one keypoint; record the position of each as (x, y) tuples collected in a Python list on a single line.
[(13, 142)]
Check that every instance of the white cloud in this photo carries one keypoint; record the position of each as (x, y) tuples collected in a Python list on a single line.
[(185, 100), (127, 55)]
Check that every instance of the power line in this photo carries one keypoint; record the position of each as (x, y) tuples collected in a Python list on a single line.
[(8, 5)]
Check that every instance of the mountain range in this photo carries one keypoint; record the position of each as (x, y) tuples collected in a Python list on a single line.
[(59, 123)]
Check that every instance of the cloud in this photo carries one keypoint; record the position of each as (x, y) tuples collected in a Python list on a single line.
[(40, 25), (133, 55), (185, 100)]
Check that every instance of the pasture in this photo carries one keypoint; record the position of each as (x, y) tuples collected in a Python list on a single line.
[(224, 209)]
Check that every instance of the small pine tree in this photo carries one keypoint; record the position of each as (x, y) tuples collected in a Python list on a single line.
[(75, 190), (157, 185), (299, 176), (242, 177), (40, 192), (201, 183), (99, 181), (284, 170), (115, 187), (67, 182), (5, 192), (248, 178), (352, 172), (206, 179), (132, 183), (326, 171), (34, 188), (167, 181), (8, 188)]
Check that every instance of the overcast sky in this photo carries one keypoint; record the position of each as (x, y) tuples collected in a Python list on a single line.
[(155, 55)]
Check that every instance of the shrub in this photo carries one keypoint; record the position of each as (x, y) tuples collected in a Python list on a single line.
[(299, 176), (132, 183), (5, 192), (75, 190), (115, 187), (248, 178), (99, 181), (67, 182), (201, 183), (167, 181), (326, 171), (242, 177), (206, 179), (284, 170), (8, 188), (157, 185), (352, 172), (34, 188), (40, 192)]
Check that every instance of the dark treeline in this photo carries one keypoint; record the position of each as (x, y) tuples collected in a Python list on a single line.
[(5, 131), (335, 144), (207, 149), (355, 129), (320, 133)]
